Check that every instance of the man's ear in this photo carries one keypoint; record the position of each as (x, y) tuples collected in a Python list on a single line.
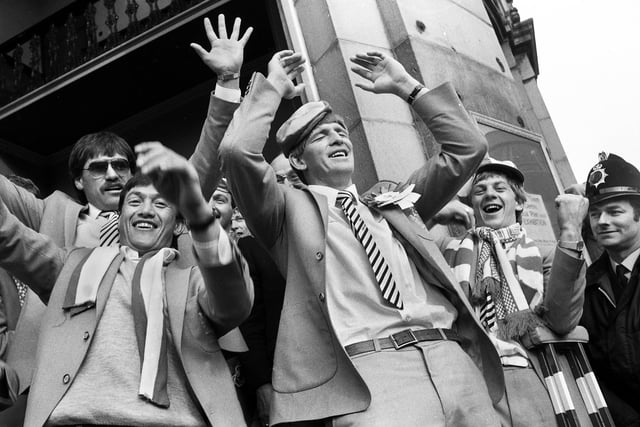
[(79, 183), (179, 227), (297, 163), (519, 207)]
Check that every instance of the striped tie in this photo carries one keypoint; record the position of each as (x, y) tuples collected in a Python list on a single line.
[(109, 230), (379, 265)]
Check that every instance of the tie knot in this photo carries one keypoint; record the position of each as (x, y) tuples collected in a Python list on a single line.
[(621, 270), (344, 196), (107, 214)]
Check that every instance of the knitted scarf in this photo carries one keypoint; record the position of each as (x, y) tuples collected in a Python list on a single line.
[(147, 303), (506, 285)]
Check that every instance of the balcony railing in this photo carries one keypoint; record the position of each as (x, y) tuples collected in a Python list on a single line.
[(86, 32)]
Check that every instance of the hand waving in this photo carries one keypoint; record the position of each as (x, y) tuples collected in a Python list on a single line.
[(384, 74), (227, 52), (285, 66)]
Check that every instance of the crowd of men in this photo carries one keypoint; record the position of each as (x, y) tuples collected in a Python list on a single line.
[(223, 290)]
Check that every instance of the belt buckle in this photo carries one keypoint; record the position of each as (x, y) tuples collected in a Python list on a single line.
[(403, 338)]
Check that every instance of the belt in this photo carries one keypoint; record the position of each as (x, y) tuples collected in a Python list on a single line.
[(402, 339)]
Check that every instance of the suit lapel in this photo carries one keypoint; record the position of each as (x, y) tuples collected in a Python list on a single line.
[(71, 218)]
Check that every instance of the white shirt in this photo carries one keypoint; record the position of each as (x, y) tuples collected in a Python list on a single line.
[(628, 263), (357, 309)]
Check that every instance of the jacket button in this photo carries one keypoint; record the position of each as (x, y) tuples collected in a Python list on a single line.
[(319, 256), (66, 379), (321, 297), (86, 335)]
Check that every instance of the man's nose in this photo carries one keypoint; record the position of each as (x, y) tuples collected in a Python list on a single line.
[(110, 173), (146, 208), (603, 218)]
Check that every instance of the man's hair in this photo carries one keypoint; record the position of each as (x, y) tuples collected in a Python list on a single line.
[(96, 144), (25, 183), (516, 186), (297, 152), (223, 185)]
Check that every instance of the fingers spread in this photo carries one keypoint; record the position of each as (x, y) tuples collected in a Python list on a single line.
[(362, 72), (199, 50), (245, 37), (222, 27), (208, 28), (235, 33)]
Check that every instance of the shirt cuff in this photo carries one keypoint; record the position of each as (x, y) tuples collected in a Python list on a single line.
[(214, 253), (226, 94)]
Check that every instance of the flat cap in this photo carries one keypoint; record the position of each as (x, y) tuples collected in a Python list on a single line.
[(506, 167), (301, 123), (612, 177)]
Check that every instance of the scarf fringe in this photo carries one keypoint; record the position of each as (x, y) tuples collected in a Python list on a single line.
[(488, 285), (517, 324)]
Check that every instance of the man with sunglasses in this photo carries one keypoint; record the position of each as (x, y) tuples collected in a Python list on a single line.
[(101, 163)]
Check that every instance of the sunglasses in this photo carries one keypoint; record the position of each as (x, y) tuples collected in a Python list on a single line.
[(98, 169)]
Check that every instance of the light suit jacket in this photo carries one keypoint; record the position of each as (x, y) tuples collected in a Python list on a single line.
[(313, 377), (65, 337), (57, 217)]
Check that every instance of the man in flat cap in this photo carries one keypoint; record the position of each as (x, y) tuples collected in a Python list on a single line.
[(374, 328), (612, 297)]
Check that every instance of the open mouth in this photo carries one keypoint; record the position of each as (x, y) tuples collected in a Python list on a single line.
[(144, 225), (338, 154), (491, 208)]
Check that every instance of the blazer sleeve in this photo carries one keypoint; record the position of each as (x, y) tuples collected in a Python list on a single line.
[(253, 183), (462, 149), (30, 256), (564, 284), (205, 156), (226, 292), (257, 362), (22, 203)]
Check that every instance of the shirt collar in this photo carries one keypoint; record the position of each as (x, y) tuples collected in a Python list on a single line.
[(331, 193), (93, 212), (628, 262)]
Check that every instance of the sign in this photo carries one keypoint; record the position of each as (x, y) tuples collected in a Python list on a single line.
[(536, 222)]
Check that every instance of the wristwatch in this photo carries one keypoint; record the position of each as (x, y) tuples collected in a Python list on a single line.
[(577, 245)]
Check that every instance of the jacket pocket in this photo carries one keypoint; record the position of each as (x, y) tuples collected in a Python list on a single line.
[(305, 357), (200, 327)]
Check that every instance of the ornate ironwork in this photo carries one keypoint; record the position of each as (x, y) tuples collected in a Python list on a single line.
[(72, 37)]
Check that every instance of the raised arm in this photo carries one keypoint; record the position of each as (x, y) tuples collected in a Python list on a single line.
[(224, 58), (21, 203), (564, 271), (462, 145), (30, 256), (253, 182), (227, 294)]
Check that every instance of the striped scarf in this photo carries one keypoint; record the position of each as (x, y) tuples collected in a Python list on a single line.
[(506, 286), (147, 303)]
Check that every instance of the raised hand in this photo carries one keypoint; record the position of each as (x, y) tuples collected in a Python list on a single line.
[(227, 52), (283, 67), (384, 74), (456, 212), (572, 209), (174, 178)]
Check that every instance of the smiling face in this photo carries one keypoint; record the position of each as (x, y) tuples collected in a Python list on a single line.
[(103, 190), (616, 227), (147, 221), (494, 201), (222, 205), (327, 158)]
